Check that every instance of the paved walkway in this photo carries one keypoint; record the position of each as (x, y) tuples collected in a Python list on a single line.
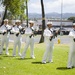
[(64, 39)]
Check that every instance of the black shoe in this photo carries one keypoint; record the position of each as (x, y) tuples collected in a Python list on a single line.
[(73, 67), (69, 67)]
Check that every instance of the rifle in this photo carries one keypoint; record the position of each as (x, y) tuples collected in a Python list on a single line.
[(6, 32), (34, 33), (54, 35), (21, 30), (74, 39), (17, 34)]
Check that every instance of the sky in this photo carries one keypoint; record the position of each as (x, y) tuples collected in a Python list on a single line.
[(34, 6), (68, 6)]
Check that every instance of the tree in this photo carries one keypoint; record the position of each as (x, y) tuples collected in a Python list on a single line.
[(4, 12), (27, 11), (43, 21), (72, 18), (15, 7)]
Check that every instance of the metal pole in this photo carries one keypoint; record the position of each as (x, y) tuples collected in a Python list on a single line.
[(61, 16)]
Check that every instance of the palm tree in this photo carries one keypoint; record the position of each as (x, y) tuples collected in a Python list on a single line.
[(27, 11), (5, 13), (43, 21)]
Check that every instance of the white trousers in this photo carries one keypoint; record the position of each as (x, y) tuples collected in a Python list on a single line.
[(0, 42), (48, 53), (71, 57), (17, 42), (5, 40), (29, 41)]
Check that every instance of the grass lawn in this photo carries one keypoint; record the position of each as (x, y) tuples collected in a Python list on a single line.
[(15, 66)]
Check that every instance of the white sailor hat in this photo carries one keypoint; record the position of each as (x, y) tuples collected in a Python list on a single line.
[(49, 23), (18, 21), (73, 24), (31, 21), (5, 19)]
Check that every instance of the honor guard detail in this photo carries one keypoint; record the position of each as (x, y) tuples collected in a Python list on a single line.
[(49, 36), (18, 31), (5, 31), (71, 57), (30, 32)]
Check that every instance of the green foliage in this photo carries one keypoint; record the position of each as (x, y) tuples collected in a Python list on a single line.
[(72, 18), (15, 7)]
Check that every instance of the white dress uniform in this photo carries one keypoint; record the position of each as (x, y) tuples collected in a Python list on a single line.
[(29, 41), (71, 57), (0, 39), (5, 38), (49, 45), (17, 40)]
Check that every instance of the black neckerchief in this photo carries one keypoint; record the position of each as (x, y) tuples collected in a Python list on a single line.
[(17, 26), (5, 26), (50, 30), (31, 28)]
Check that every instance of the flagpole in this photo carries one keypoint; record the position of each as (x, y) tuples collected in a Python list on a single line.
[(61, 16)]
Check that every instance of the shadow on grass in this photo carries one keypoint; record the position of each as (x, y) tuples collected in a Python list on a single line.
[(3, 49), (62, 68), (8, 49), (7, 56), (23, 58), (0, 58), (37, 63)]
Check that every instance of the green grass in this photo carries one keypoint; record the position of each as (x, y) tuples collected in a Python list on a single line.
[(15, 66)]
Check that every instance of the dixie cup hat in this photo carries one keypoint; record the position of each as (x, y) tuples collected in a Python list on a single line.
[(18, 21), (5, 19), (49, 23), (31, 21)]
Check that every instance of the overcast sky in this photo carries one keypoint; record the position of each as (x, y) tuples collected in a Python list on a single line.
[(52, 6), (34, 6)]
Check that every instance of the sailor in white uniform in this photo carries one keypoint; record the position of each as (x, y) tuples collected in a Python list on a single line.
[(17, 30), (71, 57), (30, 32), (5, 31), (49, 41)]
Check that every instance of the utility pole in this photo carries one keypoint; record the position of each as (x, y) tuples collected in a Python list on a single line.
[(61, 16)]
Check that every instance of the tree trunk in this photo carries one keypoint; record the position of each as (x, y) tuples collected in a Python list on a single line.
[(4, 16), (43, 21), (27, 11)]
